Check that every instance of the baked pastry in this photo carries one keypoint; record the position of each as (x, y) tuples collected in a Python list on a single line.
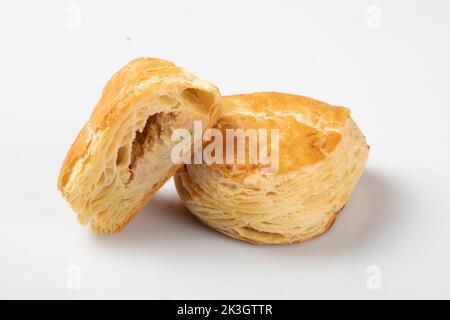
[(122, 156), (322, 154)]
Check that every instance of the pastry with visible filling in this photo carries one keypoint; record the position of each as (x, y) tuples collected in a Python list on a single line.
[(122, 156)]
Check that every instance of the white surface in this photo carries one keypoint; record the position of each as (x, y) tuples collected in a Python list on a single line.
[(393, 75)]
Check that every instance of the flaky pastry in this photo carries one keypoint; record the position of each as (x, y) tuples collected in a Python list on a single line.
[(322, 154), (122, 156)]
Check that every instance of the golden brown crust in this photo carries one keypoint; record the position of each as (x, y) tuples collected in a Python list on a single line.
[(309, 129), (124, 87), (272, 103), (101, 178), (77, 150), (322, 156)]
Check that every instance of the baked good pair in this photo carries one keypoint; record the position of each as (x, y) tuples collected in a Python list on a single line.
[(123, 155)]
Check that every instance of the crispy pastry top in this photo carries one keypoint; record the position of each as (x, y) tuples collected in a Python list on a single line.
[(309, 129)]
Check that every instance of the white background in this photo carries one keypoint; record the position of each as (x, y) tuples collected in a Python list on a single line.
[(386, 60)]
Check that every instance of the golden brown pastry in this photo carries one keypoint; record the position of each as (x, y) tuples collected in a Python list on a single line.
[(122, 156), (322, 154)]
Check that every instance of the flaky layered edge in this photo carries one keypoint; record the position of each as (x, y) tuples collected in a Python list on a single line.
[(315, 192), (101, 154)]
